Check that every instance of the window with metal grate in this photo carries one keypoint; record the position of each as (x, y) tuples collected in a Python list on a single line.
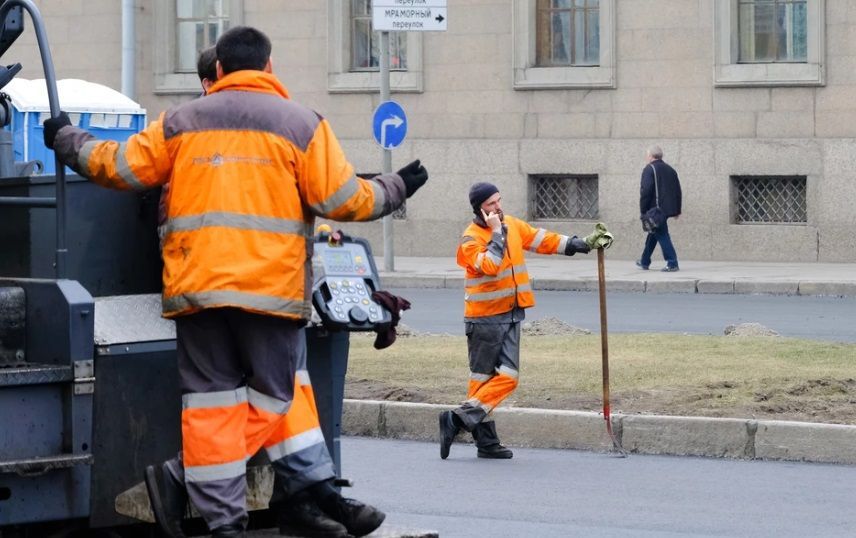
[(769, 199), (562, 196)]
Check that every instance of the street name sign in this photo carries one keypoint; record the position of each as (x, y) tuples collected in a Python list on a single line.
[(409, 15)]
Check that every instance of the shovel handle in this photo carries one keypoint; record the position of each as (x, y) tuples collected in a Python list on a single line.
[(604, 340)]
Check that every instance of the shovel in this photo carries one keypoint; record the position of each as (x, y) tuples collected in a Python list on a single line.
[(604, 347)]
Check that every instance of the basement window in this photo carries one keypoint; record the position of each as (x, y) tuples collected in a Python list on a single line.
[(563, 197), (769, 199)]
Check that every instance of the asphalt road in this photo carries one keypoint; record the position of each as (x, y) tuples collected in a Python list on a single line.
[(819, 318), (563, 493)]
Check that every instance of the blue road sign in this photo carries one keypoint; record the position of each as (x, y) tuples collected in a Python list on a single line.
[(389, 125)]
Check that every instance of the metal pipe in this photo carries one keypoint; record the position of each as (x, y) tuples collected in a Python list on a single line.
[(53, 100), (388, 254), (28, 201), (129, 40)]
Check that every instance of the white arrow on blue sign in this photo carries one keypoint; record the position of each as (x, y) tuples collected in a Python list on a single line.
[(389, 125)]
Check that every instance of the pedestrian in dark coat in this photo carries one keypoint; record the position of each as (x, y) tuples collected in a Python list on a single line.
[(660, 186)]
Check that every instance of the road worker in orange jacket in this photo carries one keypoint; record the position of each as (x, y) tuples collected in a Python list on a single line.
[(249, 170), (497, 292)]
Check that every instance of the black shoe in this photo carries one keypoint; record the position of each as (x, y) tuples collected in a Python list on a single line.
[(668, 269), (358, 518), (229, 531), (487, 442), (168, 498), (640, 266), (304, 518), (496, 452), (448, 431)]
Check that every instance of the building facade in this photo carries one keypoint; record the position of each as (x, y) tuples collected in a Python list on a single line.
[(555, 101)]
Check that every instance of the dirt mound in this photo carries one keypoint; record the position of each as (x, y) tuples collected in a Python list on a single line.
[(551, 327), (366, 389), (749, 329)]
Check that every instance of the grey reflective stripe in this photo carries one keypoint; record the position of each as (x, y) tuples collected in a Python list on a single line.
[(379, 199), (124, 170), (303, 378), (494, 258), (505, 370), (483, 279), (203, 400), (267, 403), (467, 239), (235, 220), (85, 153), (475, 402), (498, 294), (536, 242), (480, 377), (563, 244), (479, 260), (294, 444), (335, 200), (265, 303), (222, 471)]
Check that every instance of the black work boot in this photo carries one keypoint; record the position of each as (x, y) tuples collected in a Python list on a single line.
[(229, 531), (449, 426), (488, 442), (358, 518), (300, 516), (168, 498)]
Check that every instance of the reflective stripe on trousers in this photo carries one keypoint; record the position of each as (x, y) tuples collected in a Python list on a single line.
[(494, 355), (225, 422)]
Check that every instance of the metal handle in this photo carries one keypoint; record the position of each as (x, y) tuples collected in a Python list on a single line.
[(53, 100)]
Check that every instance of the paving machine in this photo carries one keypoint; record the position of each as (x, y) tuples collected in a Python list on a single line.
[(89, 390)]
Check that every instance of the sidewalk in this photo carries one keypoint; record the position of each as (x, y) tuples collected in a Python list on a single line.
[(580, 273)]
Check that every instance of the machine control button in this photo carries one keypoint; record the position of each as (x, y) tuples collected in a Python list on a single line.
[(339, 301), (365, 301), (358, 315)]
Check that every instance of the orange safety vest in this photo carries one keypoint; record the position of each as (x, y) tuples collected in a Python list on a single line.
[(248, 171), (496, 285)]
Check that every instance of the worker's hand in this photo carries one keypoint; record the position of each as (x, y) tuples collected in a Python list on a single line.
[(492, 220), (52, 127), (575, 244), (414, 176)]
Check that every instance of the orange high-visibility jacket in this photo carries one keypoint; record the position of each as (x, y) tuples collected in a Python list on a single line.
[(248, 171), (494, 285)]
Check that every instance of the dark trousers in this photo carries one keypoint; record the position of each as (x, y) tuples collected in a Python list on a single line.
[(660, 236)]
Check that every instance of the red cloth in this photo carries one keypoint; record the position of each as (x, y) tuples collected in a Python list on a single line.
[(386, 333)]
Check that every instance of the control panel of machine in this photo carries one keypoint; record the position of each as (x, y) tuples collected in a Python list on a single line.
[(345, 278)]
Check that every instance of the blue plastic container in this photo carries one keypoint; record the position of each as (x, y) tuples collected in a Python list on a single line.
[(102, 111)]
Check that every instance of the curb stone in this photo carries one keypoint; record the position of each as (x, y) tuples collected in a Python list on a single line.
[(642, 434), (737, 286)]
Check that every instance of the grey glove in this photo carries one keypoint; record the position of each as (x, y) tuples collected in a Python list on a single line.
[(575, 244)]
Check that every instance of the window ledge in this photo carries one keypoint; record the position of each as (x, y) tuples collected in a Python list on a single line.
[(535, 78), (774, 74), (369, 82)]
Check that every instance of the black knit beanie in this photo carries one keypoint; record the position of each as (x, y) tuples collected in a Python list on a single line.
[(480, 192)]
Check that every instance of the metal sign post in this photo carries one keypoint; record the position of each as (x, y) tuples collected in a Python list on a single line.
[(388, 253), (401, 16)]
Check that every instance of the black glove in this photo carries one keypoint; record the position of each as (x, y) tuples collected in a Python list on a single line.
[(52, 127), (575, 244), (414, 176)]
